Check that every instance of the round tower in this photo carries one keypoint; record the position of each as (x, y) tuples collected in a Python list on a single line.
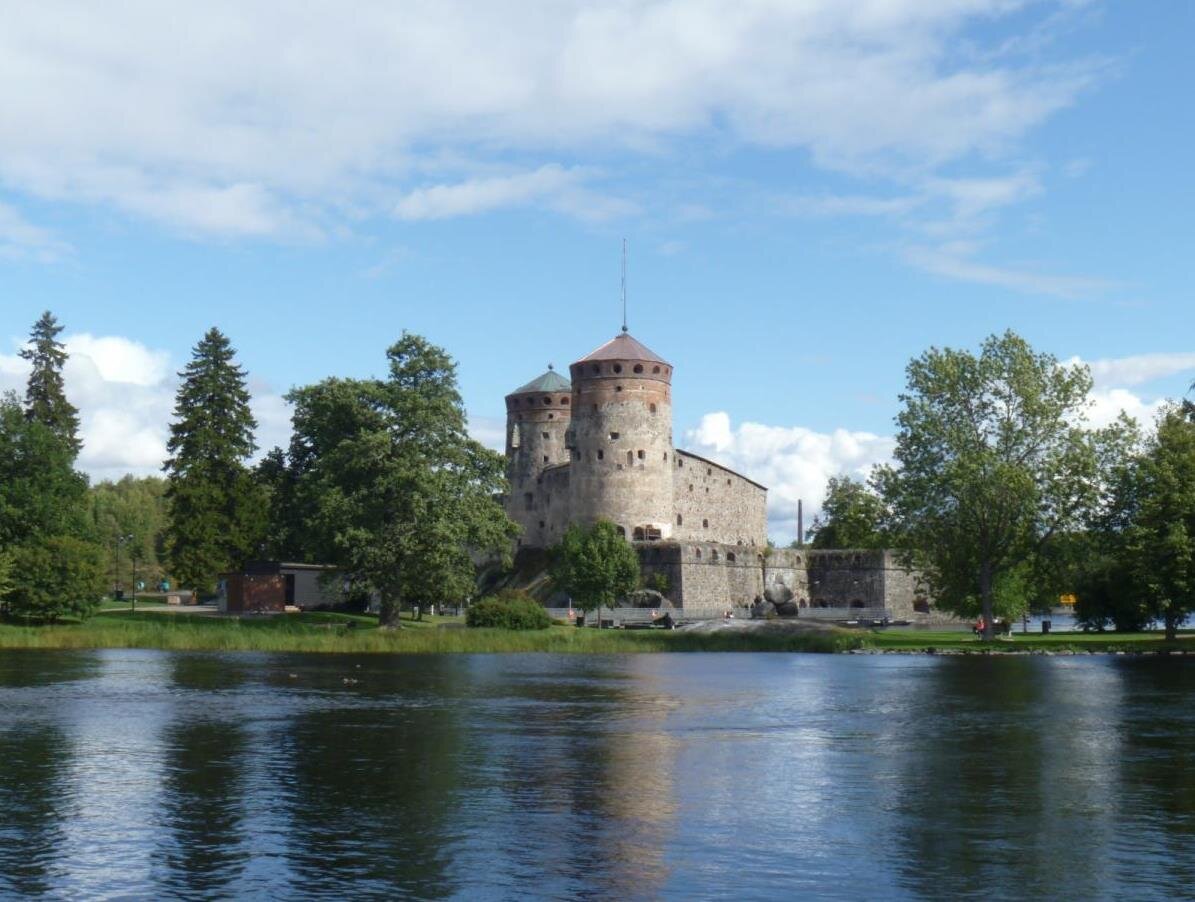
[(621, 439), (537, 417)]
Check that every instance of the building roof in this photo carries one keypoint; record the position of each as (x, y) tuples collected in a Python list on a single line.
[(623, 347), (549, 381)]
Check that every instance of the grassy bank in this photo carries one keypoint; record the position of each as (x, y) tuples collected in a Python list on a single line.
[(1056, 643), (342, 633)]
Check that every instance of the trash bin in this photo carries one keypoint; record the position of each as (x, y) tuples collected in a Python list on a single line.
[(1045, 626)]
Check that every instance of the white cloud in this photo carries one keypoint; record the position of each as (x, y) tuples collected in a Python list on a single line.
[(1138, 368), (551, 185), (849, 205), (489, 431), (21, 239), (792, 461), (954, 260), (125, 395), (249, 118)]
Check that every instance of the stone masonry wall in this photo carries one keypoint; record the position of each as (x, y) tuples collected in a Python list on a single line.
[(714, 504), (536, 424), (620, 441)]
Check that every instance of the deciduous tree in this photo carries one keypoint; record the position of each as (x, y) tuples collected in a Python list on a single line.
[(991, 462), (390, 484), (595, 566), (852, 516)]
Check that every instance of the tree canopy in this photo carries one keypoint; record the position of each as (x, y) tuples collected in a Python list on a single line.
[(852, 516), (45, 392), (595, 565), (217, 512), (991, 463), (385, 481)]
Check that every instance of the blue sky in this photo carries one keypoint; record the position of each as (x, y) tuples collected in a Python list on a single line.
[(812, 193)]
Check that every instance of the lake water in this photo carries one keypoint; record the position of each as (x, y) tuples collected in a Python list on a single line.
[(156, 774)]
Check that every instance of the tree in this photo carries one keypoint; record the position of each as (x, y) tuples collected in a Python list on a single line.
[(389, 485), (128, 519), (992, 463), (595, 566), (40, 492), (1159, 542), (852, 516), (217, 512), (56, 576), (45, 393)]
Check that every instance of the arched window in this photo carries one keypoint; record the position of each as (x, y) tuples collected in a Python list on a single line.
[(697, 553), (596, 369), (705, 524), (655, 369), (638, 534), (547, 400), (618, 388), (564, 402), (680, 521), (601, 454), (630, 458), (638, 367), (618, 367), (713, 555), (652, 408), (622, 531), (642, 454), (730, 556)]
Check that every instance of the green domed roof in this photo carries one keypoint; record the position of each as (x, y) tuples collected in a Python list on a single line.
[(549, 381)]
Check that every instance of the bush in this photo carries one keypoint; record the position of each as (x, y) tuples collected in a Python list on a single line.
[(56, 577), (512, 610)]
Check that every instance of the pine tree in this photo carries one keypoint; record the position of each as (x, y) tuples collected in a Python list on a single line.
[(45, 395), (217, 512)]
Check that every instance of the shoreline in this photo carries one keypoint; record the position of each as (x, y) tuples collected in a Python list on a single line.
[(327, 633)]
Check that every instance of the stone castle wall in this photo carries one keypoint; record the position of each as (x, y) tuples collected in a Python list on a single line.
[(706, 579), (714, 504)]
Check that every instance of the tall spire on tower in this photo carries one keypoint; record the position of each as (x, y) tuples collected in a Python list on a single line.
[(624, 285)]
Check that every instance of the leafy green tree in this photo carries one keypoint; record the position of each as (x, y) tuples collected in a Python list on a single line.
[(852, 516), (128, 519), (56, 576), (389, 485), (216, 509), (41, 494), (5, 576), (45, 394), (595, 566), (1159, 542), (992, 464)]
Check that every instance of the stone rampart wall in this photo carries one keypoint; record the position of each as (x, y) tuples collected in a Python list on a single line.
[(714, 504)]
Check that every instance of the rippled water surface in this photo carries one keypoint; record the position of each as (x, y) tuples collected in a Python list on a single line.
[(157, 774)]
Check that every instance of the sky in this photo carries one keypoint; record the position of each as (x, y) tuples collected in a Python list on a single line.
[(812, 192)]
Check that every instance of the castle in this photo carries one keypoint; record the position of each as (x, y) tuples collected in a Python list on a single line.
[(600, 447)]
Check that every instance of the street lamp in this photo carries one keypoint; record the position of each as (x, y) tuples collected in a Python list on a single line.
[(128, 540)]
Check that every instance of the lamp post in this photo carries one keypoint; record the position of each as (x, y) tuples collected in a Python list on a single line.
[(128, 540)]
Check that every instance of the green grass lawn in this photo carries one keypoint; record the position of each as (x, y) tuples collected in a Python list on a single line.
[(958, 640), (116, 627), (325, 632)]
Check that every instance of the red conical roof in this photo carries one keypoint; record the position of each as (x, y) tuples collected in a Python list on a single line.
[(623, 347)]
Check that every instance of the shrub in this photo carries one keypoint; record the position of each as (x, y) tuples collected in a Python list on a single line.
[(512, 610)]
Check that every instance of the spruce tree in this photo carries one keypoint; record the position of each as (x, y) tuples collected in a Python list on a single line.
[(216, 509), (45, 395)]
